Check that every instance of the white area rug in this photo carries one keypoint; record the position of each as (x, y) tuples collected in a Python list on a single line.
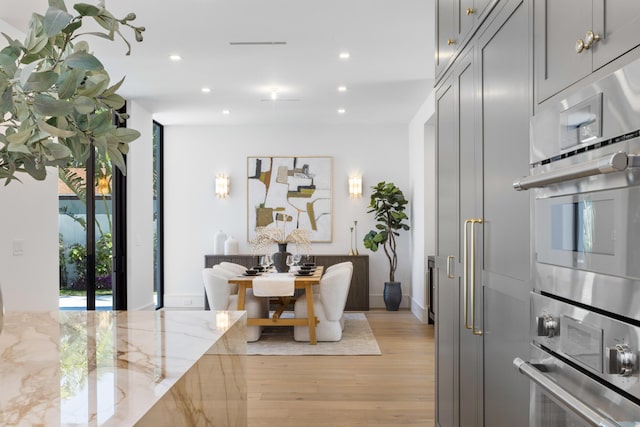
[(357, 339)]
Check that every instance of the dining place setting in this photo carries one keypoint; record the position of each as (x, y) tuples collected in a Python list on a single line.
[(266, 265), (312, 296)]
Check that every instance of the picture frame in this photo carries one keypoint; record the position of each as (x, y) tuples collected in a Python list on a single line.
[(290, 192)]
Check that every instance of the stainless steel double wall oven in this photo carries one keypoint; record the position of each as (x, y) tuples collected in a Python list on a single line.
[(585, 325)]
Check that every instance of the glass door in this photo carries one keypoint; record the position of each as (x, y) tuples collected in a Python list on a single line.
[(158, 277), (86, 235)]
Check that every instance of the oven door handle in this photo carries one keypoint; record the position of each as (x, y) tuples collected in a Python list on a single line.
[(616, 162), (551, 387)]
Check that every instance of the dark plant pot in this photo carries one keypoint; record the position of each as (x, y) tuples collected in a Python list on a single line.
[(280, 258), (392, 295)]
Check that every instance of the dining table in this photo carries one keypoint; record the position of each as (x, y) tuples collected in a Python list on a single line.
[(307, 282)]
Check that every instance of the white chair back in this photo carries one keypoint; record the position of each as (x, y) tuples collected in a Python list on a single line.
[(218, 290), (233, 267), (233, 289), (339, 265), (334, 289)]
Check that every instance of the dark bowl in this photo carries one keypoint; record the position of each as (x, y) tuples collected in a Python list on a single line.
[(304, 273), (252, 271), (257, 268), (309, 264)]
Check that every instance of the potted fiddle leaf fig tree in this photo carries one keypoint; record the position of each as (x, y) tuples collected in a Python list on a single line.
[(388, 205), (57, 102)]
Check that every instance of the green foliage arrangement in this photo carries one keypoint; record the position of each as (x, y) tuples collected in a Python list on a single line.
[(104, 264), (388, 205), (56, 99)]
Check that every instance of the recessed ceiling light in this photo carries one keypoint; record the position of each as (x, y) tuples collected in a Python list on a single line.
[(342, 88), (226, 112), (175, 57), (206, 90), (341, 111), (344, 55)]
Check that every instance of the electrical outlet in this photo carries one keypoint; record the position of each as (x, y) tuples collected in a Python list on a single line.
[(187, 301)]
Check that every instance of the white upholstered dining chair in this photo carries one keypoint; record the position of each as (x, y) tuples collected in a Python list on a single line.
[(328, 306), (220, 297), (232, 266), (339, 265)]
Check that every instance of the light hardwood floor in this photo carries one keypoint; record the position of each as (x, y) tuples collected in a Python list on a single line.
[(395, 389)]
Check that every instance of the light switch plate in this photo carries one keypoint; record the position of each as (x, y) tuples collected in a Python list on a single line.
[(18, 247)]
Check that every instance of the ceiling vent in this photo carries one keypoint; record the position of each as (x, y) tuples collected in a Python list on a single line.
[(267, 43)]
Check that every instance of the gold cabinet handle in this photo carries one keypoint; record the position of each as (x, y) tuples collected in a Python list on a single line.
[(473, 281), (470, 11), (465, 279), (450, 42), (450, 274), (590, 39)]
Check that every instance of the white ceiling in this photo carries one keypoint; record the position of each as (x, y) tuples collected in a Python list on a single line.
[(388, 76)]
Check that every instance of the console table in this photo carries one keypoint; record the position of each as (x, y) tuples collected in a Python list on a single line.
[(358, 298)]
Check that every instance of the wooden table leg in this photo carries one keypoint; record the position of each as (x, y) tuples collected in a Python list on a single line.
[(242, 292), (311, 317)]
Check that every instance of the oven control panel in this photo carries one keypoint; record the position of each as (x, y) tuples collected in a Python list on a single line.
[(606, 347)]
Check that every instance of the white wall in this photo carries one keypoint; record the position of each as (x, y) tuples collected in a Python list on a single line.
[(29, 216), (195, 155), (422, 170), (140, 211)]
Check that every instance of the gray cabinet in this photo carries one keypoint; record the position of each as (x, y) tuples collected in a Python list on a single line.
[(447, 284), (483, 108), (470, 210), (506, 99), (358, 298), (446, 35), (560, 25), (456, 21), (469, 13), (459, 350)]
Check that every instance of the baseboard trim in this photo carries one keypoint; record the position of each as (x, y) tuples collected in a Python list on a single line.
[(421, 313), (146, 307)]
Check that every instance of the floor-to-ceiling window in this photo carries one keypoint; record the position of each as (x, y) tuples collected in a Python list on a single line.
[(91, 235), (158, 283)]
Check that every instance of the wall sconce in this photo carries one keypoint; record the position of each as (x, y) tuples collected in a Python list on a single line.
[(355, 187), (103, 185), (222, 186)]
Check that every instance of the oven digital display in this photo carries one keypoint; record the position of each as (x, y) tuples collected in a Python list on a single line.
[(582, 123), (581, 342), (585, 226)]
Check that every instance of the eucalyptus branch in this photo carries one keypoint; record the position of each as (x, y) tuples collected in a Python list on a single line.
[(56, 101)]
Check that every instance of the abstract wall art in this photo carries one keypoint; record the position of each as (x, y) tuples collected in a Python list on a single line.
[(289, 193)]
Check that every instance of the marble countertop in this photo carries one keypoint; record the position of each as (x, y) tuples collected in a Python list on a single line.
[(101, 368)]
